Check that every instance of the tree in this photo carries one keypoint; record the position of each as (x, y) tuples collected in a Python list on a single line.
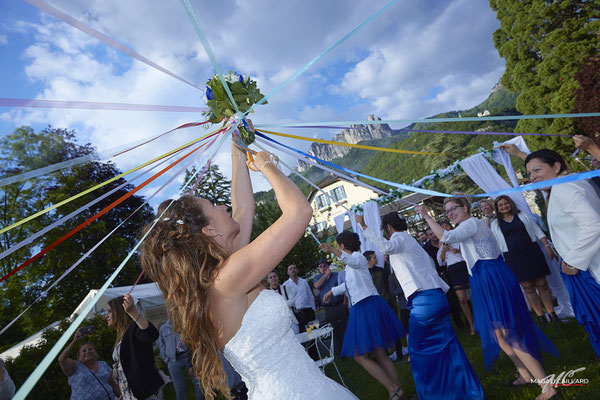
[(588, 97), (545, 44), (213, 186), (305, 254), (22, 151)]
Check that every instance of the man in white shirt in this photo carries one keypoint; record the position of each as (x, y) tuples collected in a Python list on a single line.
[(7, 387), (434, 350), (273, 280), (304, 300)]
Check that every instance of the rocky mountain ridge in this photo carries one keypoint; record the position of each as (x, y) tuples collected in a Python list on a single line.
[(354, 134)]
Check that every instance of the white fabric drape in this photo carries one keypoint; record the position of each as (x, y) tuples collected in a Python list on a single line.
[(372, 218), (486, 177)]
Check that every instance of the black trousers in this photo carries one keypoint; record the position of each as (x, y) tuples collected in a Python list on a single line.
[(337, 315)]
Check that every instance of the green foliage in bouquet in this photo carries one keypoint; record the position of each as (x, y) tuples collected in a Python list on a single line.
[(245, 94)]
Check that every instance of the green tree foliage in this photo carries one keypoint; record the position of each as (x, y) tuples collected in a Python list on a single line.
[(305, 254), (588, 97), (213, 186), (545, 44), (53, 384), (22, 151)]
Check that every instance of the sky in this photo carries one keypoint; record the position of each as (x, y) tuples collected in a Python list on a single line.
[(416, 59)]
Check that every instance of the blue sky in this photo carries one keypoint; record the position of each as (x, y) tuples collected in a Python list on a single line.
[(417, 59)]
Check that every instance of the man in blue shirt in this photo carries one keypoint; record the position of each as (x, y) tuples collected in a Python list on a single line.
[(336, 311)]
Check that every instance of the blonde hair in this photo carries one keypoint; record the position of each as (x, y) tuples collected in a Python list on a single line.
[(461, 201), (183, 261)]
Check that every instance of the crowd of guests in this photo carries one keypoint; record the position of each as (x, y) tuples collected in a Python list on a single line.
[(492, 270)]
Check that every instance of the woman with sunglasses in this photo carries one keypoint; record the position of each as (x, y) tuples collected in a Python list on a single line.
[(500, 313)]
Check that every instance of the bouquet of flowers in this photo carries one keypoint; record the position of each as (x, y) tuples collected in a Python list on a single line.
[(245, 94)]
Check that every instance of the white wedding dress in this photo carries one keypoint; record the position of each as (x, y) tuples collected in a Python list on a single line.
[(270, 359)]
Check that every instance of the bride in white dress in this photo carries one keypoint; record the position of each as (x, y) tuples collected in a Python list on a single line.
[(211, 276)]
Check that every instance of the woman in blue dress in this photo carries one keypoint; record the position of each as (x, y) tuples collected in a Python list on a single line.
[(574, 224), (500, 313), (372, 326)]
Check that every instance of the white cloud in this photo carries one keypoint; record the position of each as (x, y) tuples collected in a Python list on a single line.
[(3, 39), (413, 60)]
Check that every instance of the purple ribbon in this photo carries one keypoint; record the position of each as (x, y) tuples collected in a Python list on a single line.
[(94, 105)]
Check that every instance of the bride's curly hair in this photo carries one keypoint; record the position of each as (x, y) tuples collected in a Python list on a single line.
[(183, 261)]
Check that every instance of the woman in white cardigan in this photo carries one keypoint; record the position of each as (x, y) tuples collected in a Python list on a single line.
[(574, 223), (517, 234)]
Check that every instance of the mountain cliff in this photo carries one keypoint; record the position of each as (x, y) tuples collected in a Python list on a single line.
[(353, 135)]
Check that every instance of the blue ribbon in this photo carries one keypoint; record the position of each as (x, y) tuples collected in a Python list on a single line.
[(192, 14), (431, 120), (317, 58), (530, 186)]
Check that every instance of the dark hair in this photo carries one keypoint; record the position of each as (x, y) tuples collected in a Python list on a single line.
[(368, 254), (395, 221), (350, 240), (514, 210), (548, 157)]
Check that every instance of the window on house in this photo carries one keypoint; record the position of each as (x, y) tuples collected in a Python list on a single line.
[(321, 226), (338, 193), (322, 201)]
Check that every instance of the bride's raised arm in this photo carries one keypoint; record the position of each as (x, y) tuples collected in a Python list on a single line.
[(249, 265), (242, 199)]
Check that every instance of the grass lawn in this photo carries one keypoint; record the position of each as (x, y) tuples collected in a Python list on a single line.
[(570, 339)]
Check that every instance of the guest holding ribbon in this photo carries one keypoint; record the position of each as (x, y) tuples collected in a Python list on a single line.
[(372, 326), (89, 378), (439, 365), (574, 224), (500, 315), (133, 356), (457, 274), (517, 235)]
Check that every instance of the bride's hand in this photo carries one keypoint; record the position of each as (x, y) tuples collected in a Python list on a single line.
[(263, 159)]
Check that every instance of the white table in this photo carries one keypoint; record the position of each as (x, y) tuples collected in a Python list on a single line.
[(316, 338)]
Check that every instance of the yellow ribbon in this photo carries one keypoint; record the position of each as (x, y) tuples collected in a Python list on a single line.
[(33, 216), (358, 146)]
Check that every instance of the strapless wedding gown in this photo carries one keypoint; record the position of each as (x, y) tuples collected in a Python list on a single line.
[(270, 359)]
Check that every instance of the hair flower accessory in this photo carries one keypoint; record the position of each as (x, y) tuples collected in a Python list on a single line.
[(166, 219), (179, 222)]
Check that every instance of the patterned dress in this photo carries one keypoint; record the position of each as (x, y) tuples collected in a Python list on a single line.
[(121, 379), (85, 386)]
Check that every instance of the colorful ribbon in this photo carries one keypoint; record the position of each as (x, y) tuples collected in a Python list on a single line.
[(99, 214), (33, 216), (356, 146), (430, 120), (42, 5), (104, 154), (94, 105)]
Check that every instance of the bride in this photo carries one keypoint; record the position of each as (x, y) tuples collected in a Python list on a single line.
[(211, 275)]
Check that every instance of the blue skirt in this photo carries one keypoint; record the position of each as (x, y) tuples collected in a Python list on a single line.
[(439, 364), (498, 303), (584, 292), (372, 325)]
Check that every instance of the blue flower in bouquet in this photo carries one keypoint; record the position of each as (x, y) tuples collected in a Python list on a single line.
[(209, 93)]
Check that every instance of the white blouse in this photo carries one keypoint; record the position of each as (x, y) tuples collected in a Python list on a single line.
[(358, 278), (451, 257), (412, 266), (574, 223), (477, 242)]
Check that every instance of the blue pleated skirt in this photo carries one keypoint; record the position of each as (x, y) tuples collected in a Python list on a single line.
[(439, 364), (584, 292), (498, 303), (372, 325)]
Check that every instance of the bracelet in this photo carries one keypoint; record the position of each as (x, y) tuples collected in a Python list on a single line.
[(569, 267), (547, 245), (271, 162)]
